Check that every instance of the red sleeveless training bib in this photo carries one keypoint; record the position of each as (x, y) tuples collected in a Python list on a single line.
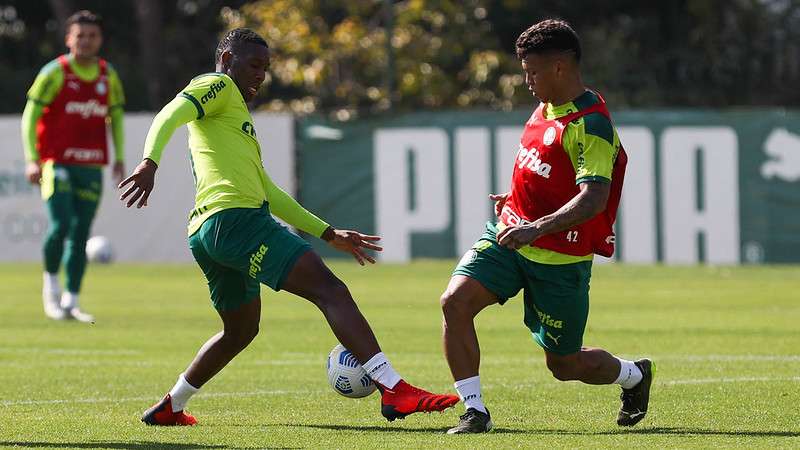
[(72, 129), (544, 180)]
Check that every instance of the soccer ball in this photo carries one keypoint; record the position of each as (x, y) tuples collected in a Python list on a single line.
[(346, 376), (98, 250)]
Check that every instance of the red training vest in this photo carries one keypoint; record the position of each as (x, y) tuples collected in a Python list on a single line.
[(72, 129), (544, 180)]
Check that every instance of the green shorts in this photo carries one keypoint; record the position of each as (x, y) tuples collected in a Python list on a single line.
[(238, 249), (556, 296), (72, 183)]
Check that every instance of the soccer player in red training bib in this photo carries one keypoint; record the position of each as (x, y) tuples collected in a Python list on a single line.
[(64, 137), (565, 190), (238, 244)]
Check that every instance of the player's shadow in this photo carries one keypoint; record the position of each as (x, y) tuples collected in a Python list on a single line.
[(676, 431), (389, 428), (133, 445)]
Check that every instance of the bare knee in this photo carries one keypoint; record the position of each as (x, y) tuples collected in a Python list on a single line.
[(241, 336), (455, 306), (332, 292)]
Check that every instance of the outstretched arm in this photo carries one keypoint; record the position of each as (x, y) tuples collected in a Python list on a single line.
[(287, 208), (176, 113), (348, 241)]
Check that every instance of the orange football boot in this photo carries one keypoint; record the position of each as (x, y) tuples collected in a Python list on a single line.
[(161, 414), (405, 399)]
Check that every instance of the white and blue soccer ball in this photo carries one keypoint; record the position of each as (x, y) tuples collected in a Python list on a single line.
[(346, 376), (99, 250)]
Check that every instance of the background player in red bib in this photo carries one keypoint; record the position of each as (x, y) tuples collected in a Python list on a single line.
[(64, 137), (565, 190)]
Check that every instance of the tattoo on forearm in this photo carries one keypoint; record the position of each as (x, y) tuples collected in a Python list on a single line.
[(587, 204)]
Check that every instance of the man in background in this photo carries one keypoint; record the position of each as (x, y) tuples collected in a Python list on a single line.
[(70, 103)]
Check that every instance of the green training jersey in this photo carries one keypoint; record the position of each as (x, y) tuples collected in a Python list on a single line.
[(592, 144), (225, 154)]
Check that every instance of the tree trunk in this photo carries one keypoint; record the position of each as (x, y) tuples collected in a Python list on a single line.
[(62, 9), (150, 17)]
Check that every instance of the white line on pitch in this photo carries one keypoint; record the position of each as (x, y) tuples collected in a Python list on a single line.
[(306, 392), (728, 380), (781, 358), (143, 399), (68, 351)]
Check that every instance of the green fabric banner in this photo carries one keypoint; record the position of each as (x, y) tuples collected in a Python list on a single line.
[(720, 187)]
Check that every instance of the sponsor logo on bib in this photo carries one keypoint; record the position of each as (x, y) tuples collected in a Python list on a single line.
[(549, 136), (86, 109)]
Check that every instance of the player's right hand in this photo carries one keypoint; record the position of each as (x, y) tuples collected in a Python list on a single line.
[(143, 178), (33, 172), (499, 201)]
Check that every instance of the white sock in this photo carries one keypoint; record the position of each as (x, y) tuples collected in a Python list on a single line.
[(181, 393), (380, 370), (69, 300), (629, 374), (51, 283), (469, 389)]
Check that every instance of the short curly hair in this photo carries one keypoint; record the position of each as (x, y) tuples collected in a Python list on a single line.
[(550, 35), (84, 17), (238, 36)]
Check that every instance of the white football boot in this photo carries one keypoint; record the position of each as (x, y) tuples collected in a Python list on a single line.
[(51, 298), (69, 303)]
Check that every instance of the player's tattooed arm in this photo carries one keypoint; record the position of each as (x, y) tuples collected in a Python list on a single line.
[(590, 201)]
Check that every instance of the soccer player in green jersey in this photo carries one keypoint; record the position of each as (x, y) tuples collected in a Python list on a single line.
[(64, 137), (238, 244), (564, 193)]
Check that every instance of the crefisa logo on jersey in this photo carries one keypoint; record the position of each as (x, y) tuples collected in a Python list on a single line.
[(212, 91), (86, 109), (530, 158), (100, 88), (549, 136)]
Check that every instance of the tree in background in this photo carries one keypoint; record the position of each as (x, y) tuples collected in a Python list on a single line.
[(334, 56), (157, 45), (346, 56)]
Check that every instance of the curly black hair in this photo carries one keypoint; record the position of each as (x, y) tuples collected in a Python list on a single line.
[(84, 17), (550, 35), (238, 36)]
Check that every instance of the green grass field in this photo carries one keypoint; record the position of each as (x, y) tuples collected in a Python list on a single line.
[(726, 342)]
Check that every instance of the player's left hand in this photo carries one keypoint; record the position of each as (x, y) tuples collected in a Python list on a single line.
[(118, 171), (354, 243), (516, 237)]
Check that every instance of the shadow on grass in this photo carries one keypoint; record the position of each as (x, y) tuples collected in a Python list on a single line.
[(676, 431), (389, 428), (133, 445)]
